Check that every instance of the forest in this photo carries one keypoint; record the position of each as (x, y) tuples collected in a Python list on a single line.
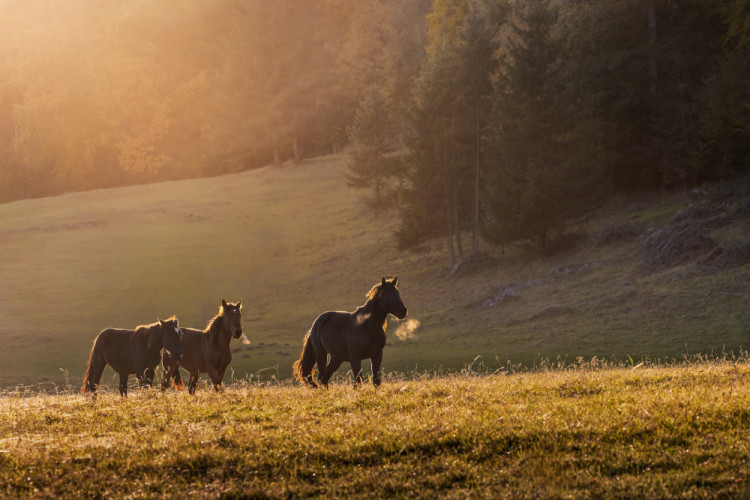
[(500, 118)]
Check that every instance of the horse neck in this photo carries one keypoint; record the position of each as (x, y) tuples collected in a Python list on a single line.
[(217, 334), (146, 332), (376, 316)]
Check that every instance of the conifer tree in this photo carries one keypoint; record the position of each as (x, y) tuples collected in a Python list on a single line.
[(541, 172), (448, 120), (371, 164)]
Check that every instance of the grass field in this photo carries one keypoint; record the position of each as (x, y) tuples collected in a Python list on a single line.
[(581, 431), (294, 241)]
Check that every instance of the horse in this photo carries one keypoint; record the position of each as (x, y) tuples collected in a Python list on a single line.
[(350, 336), (132, 351), (205, 351)]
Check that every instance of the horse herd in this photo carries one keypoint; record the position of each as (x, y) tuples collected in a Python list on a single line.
[(334, 337)]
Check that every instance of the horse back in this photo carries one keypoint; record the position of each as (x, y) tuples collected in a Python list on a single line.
[(116, 348), (112, 338), (332, 322), (330, 331)]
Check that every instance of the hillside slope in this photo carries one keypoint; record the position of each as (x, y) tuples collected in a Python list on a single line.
[(292, 242)]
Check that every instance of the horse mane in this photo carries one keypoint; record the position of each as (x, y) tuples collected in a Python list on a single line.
[(365, 309), (146, 329), (373, 292), (210, 323)]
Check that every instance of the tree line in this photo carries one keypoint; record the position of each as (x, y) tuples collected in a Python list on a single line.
[(525, 115), (502, 119), (114, 92)]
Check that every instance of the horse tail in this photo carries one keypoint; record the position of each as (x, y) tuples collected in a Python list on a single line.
[(302, 369), (95, 358)]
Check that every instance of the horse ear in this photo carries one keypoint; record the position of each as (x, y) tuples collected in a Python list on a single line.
[(223, 304), (382, 281), (239, 304), (395, 280)]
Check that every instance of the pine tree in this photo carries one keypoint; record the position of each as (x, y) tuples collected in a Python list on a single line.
[(371, 163), (542, 172), (448, 121)]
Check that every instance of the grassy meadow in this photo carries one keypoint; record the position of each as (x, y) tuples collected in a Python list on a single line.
[(294, 241), (581, 431), (578, 374)]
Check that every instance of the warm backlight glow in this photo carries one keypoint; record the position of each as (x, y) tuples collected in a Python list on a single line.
[(113, 92)]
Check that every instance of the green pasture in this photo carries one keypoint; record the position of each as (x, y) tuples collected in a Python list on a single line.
[(294, 241)]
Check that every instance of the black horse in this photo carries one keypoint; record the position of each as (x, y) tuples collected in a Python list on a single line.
[(132, 351), (350, 336)]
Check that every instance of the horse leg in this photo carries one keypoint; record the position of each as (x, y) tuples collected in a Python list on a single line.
[(123, 384), (321, 358), (166, 379), (329, 370), (356, 368), (221, 375), (140, 375), (96, 375), (169, 367), (177, 377), (376, 360), (169, 373), (216, 376), (148, 378), (193, 382)]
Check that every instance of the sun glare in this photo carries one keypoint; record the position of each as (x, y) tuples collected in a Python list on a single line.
[(110, 93)]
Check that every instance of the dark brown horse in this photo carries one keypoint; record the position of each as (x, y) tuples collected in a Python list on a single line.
[(205, 351), (350, 336), (132, 351)]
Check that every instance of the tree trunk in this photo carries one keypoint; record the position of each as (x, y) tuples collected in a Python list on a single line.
[(459, 246), (475, 228), (449, 241), (457, 227), (652, 68), (456, 219)]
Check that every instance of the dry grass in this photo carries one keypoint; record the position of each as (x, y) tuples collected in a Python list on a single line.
[(582, 431)]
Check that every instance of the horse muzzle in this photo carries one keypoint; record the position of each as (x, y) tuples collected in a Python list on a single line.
[(176, 357), (237, 334), (402, 314)]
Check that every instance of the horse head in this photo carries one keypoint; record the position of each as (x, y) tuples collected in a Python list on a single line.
[(232, 313), (171, 337), (389, 298)]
